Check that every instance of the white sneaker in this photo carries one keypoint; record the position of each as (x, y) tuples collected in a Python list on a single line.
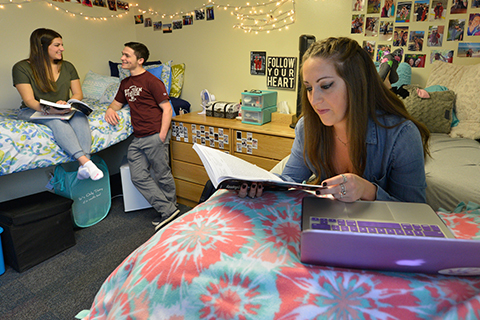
[(161, 221)]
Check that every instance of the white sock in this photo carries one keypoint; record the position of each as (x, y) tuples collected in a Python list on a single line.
[(95, 173), (83, 173)]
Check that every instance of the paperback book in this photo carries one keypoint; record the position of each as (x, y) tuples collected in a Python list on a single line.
[(74, 104)]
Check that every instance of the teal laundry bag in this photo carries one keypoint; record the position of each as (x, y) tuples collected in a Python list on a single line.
[(91, 199)]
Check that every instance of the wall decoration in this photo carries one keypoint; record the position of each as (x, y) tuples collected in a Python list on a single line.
[(187, 20), (99, 3), (435, 36), (369, 46), (388, 9), (357, 23), (358, 5), (112, 5), (281, 72), (415, 60), (468, 49), (383, 50), (386, 31), (200, 14), (373, 6), (138, 19), (372, 26), (475, 4), (441, 55), (438, 11), (177, 24), (459, 6), (157, 26), (122, 5), (420, 9), (415, 41), (474, 25), (148, 22), (404, 10), (456, 29), (258, 62), (167, 28), (400, 36), (210, 12)]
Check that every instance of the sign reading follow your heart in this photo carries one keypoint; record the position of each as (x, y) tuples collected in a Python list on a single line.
[(281, 72)]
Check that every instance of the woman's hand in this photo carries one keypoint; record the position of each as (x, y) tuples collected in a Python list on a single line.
[(53, 110), (255, 190), (349, 187)]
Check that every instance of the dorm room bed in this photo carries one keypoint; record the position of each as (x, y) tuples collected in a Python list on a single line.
[(233, 258)]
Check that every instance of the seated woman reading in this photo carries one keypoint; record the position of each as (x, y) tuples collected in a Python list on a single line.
[(45, 75), (355, 135)]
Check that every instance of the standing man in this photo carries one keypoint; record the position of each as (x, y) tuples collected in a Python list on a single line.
[(151, 114)]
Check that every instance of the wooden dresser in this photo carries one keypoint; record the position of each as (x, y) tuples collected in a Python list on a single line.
[(263, 145)]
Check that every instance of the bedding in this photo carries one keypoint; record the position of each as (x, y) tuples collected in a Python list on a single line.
[(25, 145), (233, 258)]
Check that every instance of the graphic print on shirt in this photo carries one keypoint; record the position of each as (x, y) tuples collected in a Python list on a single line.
[(132, 93)]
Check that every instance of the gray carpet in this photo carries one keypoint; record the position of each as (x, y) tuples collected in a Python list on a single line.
[(57, 289)]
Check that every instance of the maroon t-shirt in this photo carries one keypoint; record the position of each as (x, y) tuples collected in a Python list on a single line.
[(143, 93)]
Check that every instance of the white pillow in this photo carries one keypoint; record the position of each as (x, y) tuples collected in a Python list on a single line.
[(95, 85)]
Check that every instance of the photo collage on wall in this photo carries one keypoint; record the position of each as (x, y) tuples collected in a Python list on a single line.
[(421, 28), (206, 13)]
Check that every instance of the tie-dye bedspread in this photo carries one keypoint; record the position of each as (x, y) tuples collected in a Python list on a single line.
[(232, 258), (25, 145)]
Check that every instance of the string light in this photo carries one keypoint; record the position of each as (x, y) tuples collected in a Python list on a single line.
[(261, 17)]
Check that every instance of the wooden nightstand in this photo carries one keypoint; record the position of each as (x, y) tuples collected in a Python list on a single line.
[(263, 145)]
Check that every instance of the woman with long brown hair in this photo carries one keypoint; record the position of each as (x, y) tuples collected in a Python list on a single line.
[(45, 75)]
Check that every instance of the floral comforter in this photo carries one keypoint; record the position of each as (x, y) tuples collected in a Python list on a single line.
[(25, 145), (232, 258)]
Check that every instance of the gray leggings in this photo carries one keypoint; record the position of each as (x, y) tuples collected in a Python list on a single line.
[(73, 135)]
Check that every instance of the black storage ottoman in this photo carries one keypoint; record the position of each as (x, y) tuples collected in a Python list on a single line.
[(36, 227)]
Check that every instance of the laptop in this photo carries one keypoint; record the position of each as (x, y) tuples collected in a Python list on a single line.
[(381, 235)]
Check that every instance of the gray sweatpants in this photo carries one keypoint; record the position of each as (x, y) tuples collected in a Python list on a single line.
[(158, 188)]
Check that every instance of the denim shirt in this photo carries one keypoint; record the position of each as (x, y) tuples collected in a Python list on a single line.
[(395, 162)]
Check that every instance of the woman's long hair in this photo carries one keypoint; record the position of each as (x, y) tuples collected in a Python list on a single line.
[(40, 40), (366, 94)]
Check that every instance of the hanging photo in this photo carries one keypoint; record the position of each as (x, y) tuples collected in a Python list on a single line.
[(388, 9), (383, 50), (371, 27), (369, 47), (210, 12), (441, 55), (420, 9), (112, 5), (400, 37), (435, 36), (199, 14), (187, 20), (148, 22), (468, 50), (257, 62), (415, 41), (123, 5), (404, 10), (167, 28), (459, 6), (358, 5), (177, 24), (456, 28), (373, 6), (474, 25), (415, 60), (357, 23), (138, 19), (157, 26), (438, 10), (386, 31)]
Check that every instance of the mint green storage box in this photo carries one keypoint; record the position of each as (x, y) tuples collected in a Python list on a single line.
[(258, 116), (259, 98)]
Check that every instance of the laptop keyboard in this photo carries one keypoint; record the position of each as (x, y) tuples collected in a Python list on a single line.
[(391, 228)]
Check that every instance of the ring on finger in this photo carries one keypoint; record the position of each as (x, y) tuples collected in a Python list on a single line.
[(343, 191), (344, 178)]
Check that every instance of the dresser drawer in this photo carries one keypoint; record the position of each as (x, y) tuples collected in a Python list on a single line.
[(188, 191), (189, 172), (262, 145)]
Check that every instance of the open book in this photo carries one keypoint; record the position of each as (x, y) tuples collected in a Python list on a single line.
[(74, 104), (229, 172)]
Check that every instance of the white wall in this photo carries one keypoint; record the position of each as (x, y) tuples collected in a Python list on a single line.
[(217, 56), (88, 44)]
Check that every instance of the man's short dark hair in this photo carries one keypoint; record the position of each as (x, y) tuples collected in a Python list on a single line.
[(140, 50)]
